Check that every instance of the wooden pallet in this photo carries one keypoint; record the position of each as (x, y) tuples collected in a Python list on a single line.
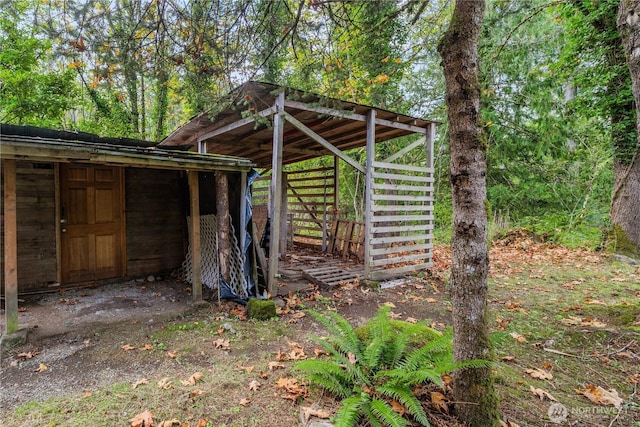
[(329, 277)]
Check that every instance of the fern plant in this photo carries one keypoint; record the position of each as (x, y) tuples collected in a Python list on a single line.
[(370, 367)]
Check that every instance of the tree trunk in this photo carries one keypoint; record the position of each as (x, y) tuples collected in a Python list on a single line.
[(476, 401), (625, 203)]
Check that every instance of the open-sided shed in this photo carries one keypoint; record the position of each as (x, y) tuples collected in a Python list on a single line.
[(276, 126), (78, 208)]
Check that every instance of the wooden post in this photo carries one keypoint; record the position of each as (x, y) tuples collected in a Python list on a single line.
[(243, 219), (368, 204), (196, 246), (10, 248), (430, 140), (224, 229), (284, 210), (276, 194)]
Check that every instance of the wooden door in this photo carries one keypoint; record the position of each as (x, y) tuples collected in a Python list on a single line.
[(92, 237)]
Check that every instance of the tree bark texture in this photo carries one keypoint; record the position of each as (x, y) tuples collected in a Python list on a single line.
[(224, 227), (625, 202), (476, 401)]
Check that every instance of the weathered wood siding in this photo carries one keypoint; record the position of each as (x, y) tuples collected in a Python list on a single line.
[(36, 228), (156, 220)]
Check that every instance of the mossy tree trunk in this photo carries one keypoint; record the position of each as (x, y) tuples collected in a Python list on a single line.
[(472, 388), (625, 203)]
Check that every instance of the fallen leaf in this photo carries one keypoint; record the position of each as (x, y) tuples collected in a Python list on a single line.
[(221, 343), (193, 379), (572, 320), (245, 401), (297, 353), (146, 347), (247, 369), (140, 382), (172, 354), (439, 400), (263, 375), (169, 423), (127, 347), (298, 315), (292, 387), (319, 352), (28, 355), (411, 320), (254, 385), (195, 393), (276, 365), (508, 358), (516, 336), (541, 393), (539, 374), (41, 368), (398, 408), (165, 383), (202, 423), (143, 419), (309, 412), (431, 299), (87, 394), (601, 396), (394, 316), (352, 358), (508, 424)]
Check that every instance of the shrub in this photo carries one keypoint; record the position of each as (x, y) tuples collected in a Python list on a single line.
[(369, 371)]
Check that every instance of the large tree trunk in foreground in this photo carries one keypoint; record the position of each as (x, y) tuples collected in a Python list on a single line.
[(625, 203), (476, 402)]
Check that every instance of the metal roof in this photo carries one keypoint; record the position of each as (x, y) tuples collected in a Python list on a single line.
[(240, 125)]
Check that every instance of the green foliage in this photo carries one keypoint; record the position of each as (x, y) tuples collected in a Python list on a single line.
[(369, 370), (29, 92)]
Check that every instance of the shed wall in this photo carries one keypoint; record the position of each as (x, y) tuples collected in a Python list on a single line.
[(156, 220), (36, 228)]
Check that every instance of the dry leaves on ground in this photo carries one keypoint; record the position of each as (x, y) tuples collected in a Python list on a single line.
[(542, 393), (143, 419), (539, 374), (308, 412), (193, 379), (601, 396)]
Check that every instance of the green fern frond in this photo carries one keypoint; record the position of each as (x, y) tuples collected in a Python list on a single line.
[(387, 416), (327, 375), (403, 376), (405, 396), (350, 411), (433, 350), (343, 336)]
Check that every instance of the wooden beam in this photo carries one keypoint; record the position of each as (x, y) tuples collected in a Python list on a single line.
[(320, 140), (196, 245), (326, 111), (283, 215), (10, 248), (431, 137), (55, 151), (276, 195), (405, 150), (224, 228), (368, 210), (231, 126), (243, 219), (58, 215)]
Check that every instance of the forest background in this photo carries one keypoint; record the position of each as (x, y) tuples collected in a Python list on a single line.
[(557, 104)]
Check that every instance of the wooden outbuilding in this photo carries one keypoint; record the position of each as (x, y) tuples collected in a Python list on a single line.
[(78, 208), (276, 126)]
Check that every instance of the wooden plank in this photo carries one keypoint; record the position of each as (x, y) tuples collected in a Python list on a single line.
[(421, 207), (58, 216), (306, 171), (398, 249), (400, 259), (224, 226), (399, 177), (259, 252), (401, 218), (400, 239), (399, 271), (320, 140), (276, 194), (324, 110), (401, 197), (330, 277), (10, 248), (420, 141), (402, 228), (196, 244), (231, 126), (284, 224), (402, 167), (401, 187), (369, 180)]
